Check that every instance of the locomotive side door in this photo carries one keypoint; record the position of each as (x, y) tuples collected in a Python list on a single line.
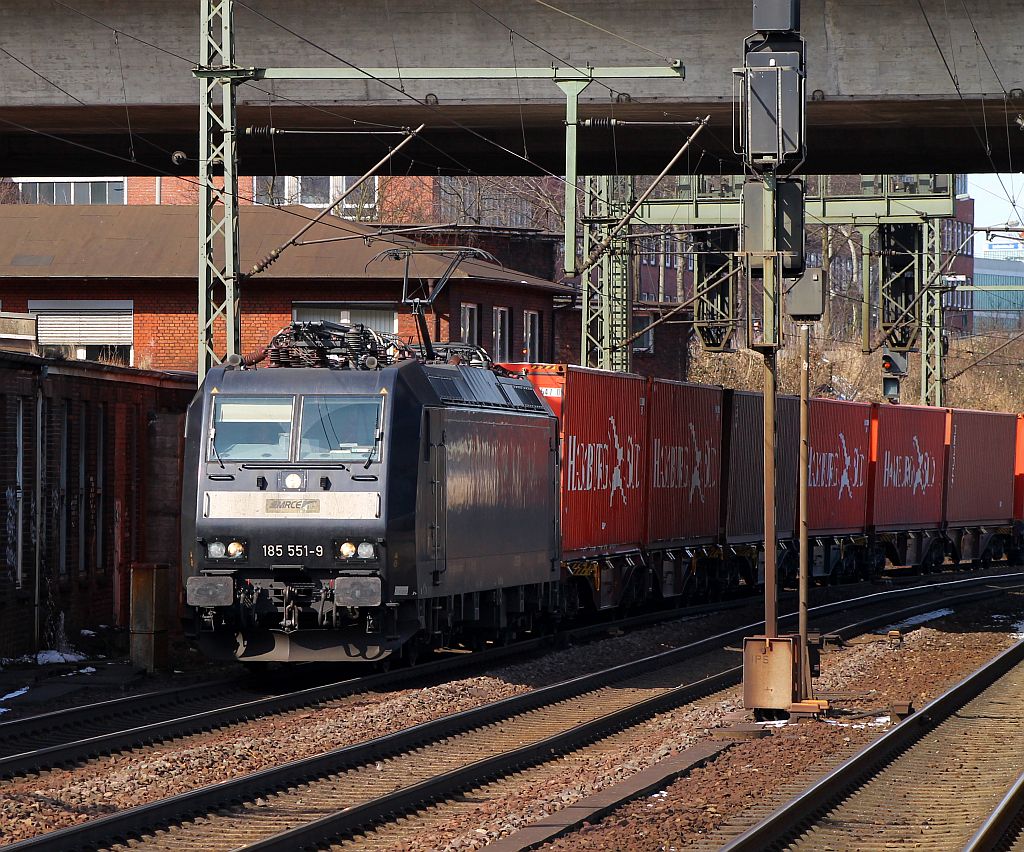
[(438, 531)]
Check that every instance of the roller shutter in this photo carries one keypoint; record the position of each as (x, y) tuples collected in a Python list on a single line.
[(83, 322)]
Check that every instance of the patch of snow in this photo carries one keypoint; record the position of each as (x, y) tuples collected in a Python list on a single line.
[(924, 617), (9, 695), (84, 632), (86, 670), (45, 658), (1017, 630), (878, 722), (14, 694)]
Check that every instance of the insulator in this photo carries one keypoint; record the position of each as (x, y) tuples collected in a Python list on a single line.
[(354, 341), (260, 130), (600, 122)]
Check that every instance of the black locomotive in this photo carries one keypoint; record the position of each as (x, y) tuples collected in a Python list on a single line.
[(371, 500)]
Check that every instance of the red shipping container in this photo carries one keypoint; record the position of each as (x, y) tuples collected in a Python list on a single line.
[(837, 483), (685, 472), (979, 467), (745, 470), (907, 472), (603, 423), (1018, 473)]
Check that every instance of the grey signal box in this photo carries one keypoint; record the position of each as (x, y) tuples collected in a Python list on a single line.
[(776, 15), (773, 102), (805, 297), (789, 224)]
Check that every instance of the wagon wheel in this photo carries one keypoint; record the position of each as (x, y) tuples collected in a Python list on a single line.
[(933, 559)]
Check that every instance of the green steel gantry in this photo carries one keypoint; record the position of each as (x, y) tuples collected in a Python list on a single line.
[(910, 298), (219, 274), (606, 295)]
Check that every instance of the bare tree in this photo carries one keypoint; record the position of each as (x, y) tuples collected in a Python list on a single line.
[(9, 193)]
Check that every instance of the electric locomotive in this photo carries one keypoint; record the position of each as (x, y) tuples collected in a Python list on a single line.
[(356, 500)]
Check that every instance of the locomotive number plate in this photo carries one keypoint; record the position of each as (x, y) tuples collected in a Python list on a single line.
[(293, 550)]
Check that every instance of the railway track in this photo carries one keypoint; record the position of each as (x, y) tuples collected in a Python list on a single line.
[(66, 737), (930, 783), (349, 789)]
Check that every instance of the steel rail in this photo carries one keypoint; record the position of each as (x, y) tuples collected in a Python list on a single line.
[(783, 823), (143, 818), (350, 820), (1004, 818), (57, 725), (161, 721)]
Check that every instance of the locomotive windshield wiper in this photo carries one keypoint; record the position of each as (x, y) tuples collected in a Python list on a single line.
[(378, 433), (213, 445)]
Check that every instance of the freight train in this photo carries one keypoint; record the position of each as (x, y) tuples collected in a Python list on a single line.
[(360, 500)]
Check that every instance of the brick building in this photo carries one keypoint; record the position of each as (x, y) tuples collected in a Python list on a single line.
[(513, 224), (119, 282)]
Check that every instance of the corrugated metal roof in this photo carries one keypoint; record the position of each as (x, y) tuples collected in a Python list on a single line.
[(147, 241)]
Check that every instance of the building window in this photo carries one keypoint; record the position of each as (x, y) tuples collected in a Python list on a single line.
[(502, 333), (318, 191), (645, 342), (268, 189), (374, 316), (364, 199), (70, 190), (470, 324), (314, 190), (531, 336)]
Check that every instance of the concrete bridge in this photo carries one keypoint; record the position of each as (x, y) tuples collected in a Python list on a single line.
[(75, 74)]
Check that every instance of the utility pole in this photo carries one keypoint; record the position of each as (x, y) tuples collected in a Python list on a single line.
[(772, 134), (607, 289), (219, 292), (933, 332), (805, 543), (865, 285), (219, 273)]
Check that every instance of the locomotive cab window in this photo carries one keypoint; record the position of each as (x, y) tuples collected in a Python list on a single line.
[(341, 428), (251, 428)]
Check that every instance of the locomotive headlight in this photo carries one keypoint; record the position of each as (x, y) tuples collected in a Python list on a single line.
[(365, 550), (347, 550), (236, 550), (293, 480), (216, 549)]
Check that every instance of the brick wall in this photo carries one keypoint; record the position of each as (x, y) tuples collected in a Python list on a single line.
[(669, 358), (488, 297), (536, 254), (166, 334), (175, 190)]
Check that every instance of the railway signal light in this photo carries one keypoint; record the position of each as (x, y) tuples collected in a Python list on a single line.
[(894, 368)]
